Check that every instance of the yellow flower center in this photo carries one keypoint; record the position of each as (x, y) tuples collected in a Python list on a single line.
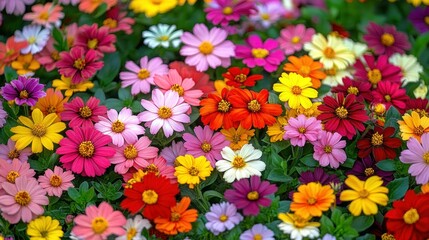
[(206, 147), (257, 237), (341, 112), (331, 72), (13, 154), (31, 40), (152, 168), (130, 152), (327, 149), (240, 78), (374, 76), (223, 218), (55, 55), (150, 197), (259, 52), (377, 139), (227, 11), (329, 52), (163, 38), (411, 216), (110, 23), (387, 39), (118, 126), (302, 130), (387, 236), (11, 176), (426, 157), (93, 43), (296, 90), (23, 198), (265, 16), (311, 200), (369, 172), (86, 149), (38, 130), (85, 112), (143, 74), (419, 130), (304, 70), (299, 222), (427, 20), (223, 106), (164, 112), (206, 48), (131, 233), (388, 98), (179, 89), (79, 63), (44, 16), (353, 90), (55, 181), (253, 195), (254, 106), (175, 217), (51, 109), (296, 39), (363, 193), (238, 162), (99, 225), (23, 94), (193, 171)]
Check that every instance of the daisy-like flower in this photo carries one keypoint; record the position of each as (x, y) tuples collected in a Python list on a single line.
[(99, 222), (334, 76), (238, 137), (23, 91), (9, 51), (25, 65), (306, 67), (158, 166), (413, 125), (134, 154), (223, 11), (277, 131), (57, 181), (267, 13), (123, 127), (205, 143), (8, 152), (134, 228), (48, 15), (258, 231), (66, 84), (40, 131), (201, 79), (191, 170), (365, 195), (380, 142), (240, 164), (391, 94), (35, 36), (204, 48), (318, 175), (417, 155), (421, 106), (53, 102), (166, 111), (258, 53), (216, 109), (152, 8), (78, 64), (16, 7), (418, 18), (85, 152), (362, 90), (44, 227), (118, 21), (98, 39), (49, 56), (250, 194), (366, 167), (298, 227), (295, 90), (222, 217), (386, 39), (22, 200), (410, 67), (312, 199), (375, 71), (162, 35), (293, 37), (237, 77), (332, 52), (172, 152), (301, 129), (9, 172), (329, 149), (82, 114)]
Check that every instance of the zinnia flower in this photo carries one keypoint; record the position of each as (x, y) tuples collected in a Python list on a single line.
[(117, 20), (47, 15), (201, 79), (413, 126), (312, 199), (417, 155), (237, 77), (82, 114), (9, 51), (57, 181), (306, 67), (362, 90), (53, 102), (386, 39), (409, 65), (417, 17), (44, 227), (34, 35), (23, 91), (293, 37), (216, 109), (9, 172), (329, 149), (298, 227), (377, 71), (66, 84), (318, 175), (172, 152), (98, 39), (258, 231), (302, 129), (223, 11), (221, 217), (238, 137), (180, 219), (191, 170), (8, 152), (295, 90), (25, 65), (162, 35), (89, 6), (380, 142)]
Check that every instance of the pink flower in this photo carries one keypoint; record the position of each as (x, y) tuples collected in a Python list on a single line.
[(292, 38), (47, 15), (391, 94), (386, 39), (78, 64), (117, 21), (173, 81), (9, 172), (99, 222), (141, 77), (134, 154), (205, 143), (98, 39), (82, 114), (16, 7), (158, 166), (328, 149), (121, 127), (57, 181), (417, 155), (49, 56), (22, 200), (205, 49), (85, 152), (302, 129), (202, 80), (166, 111), (171, 153), (223, 11), (71, 32), (9, 153), (268, 13), (262, 54)]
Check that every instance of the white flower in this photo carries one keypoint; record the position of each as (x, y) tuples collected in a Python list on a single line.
[(421, 91), (409, 65), (298, 227), (134, 228), (334, 77), (243, 163), (35, 36), (357, 48), (163, 35)]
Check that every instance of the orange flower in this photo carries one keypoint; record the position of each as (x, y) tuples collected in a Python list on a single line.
[(306, 67), (237, 137), (180, 219), (53, 102), (216, 109), (89, 6), (10, 51), (25, 65), (312, 199)]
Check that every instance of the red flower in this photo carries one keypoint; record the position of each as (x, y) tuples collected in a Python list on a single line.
[(377, 71), (380, 143), (215, 110), (155, 195), (421, 106), (409, 218), (362, 90), (339, 31), (237, 77), (252, 109), (98, 39), (391, 94), (202, 80), (343, 115)]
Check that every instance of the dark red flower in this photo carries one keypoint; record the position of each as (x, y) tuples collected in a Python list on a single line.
[(391, 94), (377, 71), (362, 90), (237, 77), (338, 30), (421, 106), (380, 143)]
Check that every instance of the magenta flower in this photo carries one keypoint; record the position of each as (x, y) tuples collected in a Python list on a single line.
[(85, 152), (9, 152), (302, 129), (122, 127), (82, 114), (223, 11), (263, 54), (9, 172), (204, 48), (98, 39), (250, 194), (418, 156), (57, 181), (118, 21), (391, 94), (386, 39), (141, 77), (375, 71), (23, 91), (171, 153), (222, 217), (206, 143), (292, 38), (166, 111), (329, 149)]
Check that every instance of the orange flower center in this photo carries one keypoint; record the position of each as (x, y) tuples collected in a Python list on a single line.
[(93, 43), (411, 216), (193, 171), (311, 200), (227, 10), (38, 130), (86, 149), (110, 23), (377, 139), (259, 52), (387, 39), (327, 149), (23, 94), (295, 39), (179, 89), (130, 152), (223, 106), (175, 217), (55, 181), (240, 78), (369, 172), (302, 130), (387, 236), (206, 48), (51, 109), (426, 157), (304, 70), (23, 198), (329, 52), (164, 112), (132, 232), (152, 168), (85, 112), (143, 74), (299, 222), (118, 126), (363, 193), (341, 112), (353, 90), (253, 195), (296, 90), (99, 225), (13, 154), (150, 197), (44, 16), (55, 55), (419, 130), (206, 147), (257, 237), (427, 20), (156, 2), (331, 72), (374, 76), (238, 162), (79, 64), (11, 176), (223, 218), (254, 106)]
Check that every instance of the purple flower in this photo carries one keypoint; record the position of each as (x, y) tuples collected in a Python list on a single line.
[(418, 156), (23, 90), (302, 129), (222, 216), (170, 153), (365, 168), (249, 194), (205, 143), (328, 149), (16, 7), (420, 19), (318, 175), (386, 39), (258, 231), (3, 115)]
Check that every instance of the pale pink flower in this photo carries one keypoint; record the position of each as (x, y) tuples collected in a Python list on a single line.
[(48, 15), (57, 181), (292, 38), (9, 172), (301, 129), (9, 152), (329, 149)]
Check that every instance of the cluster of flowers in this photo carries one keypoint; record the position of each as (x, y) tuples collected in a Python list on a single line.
[(300, 137)]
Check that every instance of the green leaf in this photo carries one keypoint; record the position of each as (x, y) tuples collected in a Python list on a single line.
[(366, 237), (211, 194), (100, 10), (362, 223), (211, 179), (124, 94), (420, 45), (10, 74), (73, 194), (308, 160), (392, 113), (326, 225), (112, 64), (386, 165), (398, 188), (114, 103), (278, 175), (349, 163), (99, 93)]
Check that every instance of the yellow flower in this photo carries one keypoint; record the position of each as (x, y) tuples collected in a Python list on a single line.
[(191, 170), (152, 7), (312, 111), (25, 64), (220, 85), (238, 137), (296, 90), (421, 91), (365, 195), (44, 228), (298, 226), (413, 126), (417, 3), (38, 131), (276, 131), (66, 84)]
